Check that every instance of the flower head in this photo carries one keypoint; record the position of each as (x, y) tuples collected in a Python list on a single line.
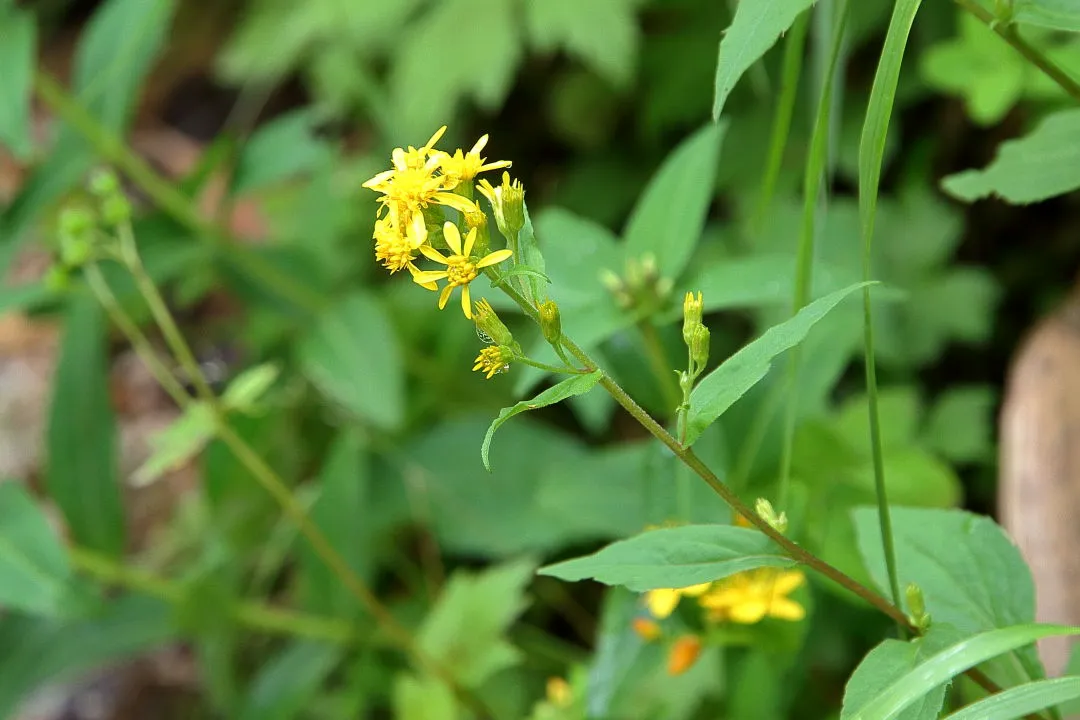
[(463, 167), (396, 247), (662, 602), (507, 202), (493, 360), (461, 267), (750, 596)]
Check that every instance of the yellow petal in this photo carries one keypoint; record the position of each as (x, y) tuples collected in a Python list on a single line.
[(786, 609), (494, 258), (470, 238), (432, 254), (423, 277), (444, 296), (435, 138), (721, 597), (479, 145), (787, 581), (662, 602), (453, 237), (484, 188), (380, 178), (695, 590), (495, 165), (748, 612), (466, 304), (459, 203)]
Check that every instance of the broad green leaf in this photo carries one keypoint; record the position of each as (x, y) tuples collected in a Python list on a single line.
[(960, 426), (674, 557), (427, 699), (889, 661), (575, 385), (34, 569), (278, 151), (1020, 701), (755, 28), (38, 651), (18, 55), (287, 683), (466, 629), (742, 282), (1038, 166), (177, 444), (352, 356), (82, 475), (729, 382), (668, 218), (603, 34), (576, 251), (950, 662), (1055, 14), (247, 388), (340, 512)]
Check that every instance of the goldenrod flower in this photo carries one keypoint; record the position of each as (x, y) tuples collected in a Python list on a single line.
[(463, 167), (750, 596), (684, 653), (461, 269), (662, 602), (493, 360), (415, 182), (413, 157), (396, 250), (507, 202)]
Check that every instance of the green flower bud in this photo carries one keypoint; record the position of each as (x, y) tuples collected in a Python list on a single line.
[(115, 210), (692, 310), (489, 325), (551, 322), (76, 222), (767, 512), (74, 250), (104, 183), (917, 607), (699, 349)]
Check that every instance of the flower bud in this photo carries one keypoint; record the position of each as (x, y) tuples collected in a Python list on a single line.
[(57, 279), (699, 348), (767, 512), (508, 203), (684, 653), (917, 607), (104, 183), (488, 323), (478, 219), (496, 359), (74, 251), (550, 322), (115, 210), (692, 310)]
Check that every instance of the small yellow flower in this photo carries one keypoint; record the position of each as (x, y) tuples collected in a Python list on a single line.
[(396, 250), (662, 602), (415, 182), (751, 596), (558, 692), (413, 157), (461, 269), (648, 630), (684, 653), (463, 167), (493, 360)]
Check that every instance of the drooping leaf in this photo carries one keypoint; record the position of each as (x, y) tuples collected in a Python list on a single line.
[(674, 557), (352, 355), (575, 385), (755, 28), (287, 683), (890, 660), (912, 686), (34, 569), (1035, 167), (1020, 701), (727, 383), (1055, 14), (82, 475), (177, 444), (18, 55), (602, 34), (669, 216)]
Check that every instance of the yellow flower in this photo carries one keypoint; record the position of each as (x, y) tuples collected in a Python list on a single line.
[(750, 596), (461, 269), (463, 167), (648, 630), (684, 653), (493, 360), (662, 602), (507, 202), (559, 693), (414, 158), (415, 182), (396, 250)]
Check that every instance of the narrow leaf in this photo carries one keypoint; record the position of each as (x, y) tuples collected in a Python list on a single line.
[(288, 682), (729, 382), (576, 385), (178, 443), (756, 27), (18, 55), (33, 566), (1056, 14), (1038, 166), (247, 388), (82, 476), (674, 557), (669, 217), (952, 661), (1022, 700)]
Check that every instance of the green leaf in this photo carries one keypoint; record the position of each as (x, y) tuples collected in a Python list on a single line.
[(533, 282), (617, 649), (247, 388), (82, 475), (603, 34), (740, 372), (465, 631), (177, 444), (42, 650), (960, 426), (1056, 14), (1035, 167), (34, 569), (352, 355), (742, 282), (947, 664), (18, 55), (427, 699), (755, 28), (674, 557), (1020, 701), (668, 218), (278, 151), (289, 681), (889, 661), (575, 385)]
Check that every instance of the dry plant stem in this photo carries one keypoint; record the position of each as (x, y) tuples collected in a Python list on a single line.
[(1008, 33), (253, 615)]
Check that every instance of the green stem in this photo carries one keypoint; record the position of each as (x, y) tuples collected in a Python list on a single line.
[(168, 198), (658, 362), (1008, 32), (251, 614), (549, 368)]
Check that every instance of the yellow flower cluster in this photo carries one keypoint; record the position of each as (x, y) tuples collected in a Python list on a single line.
[(420, 179), (746, 597)]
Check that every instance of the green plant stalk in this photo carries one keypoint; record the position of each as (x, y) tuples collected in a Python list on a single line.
[(566, 370), (794, 46), (170, 200), (250, 614), (658, 363), (1033, 55)]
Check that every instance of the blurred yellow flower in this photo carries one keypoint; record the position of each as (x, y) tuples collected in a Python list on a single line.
[(463, 167), (461, 269), (648, 630), (750, 596), (559, 693), (684, 653), (662, 602)]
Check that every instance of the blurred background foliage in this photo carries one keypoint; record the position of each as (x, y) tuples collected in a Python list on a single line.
[(374, 417)]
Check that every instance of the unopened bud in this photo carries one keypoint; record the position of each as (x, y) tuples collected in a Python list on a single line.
[(508, 203), (917, 607), (699, 348), (767, 512), (478, 219), (692, 309), (104, 183), (115, 210), (550, 322), (488, 323)]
